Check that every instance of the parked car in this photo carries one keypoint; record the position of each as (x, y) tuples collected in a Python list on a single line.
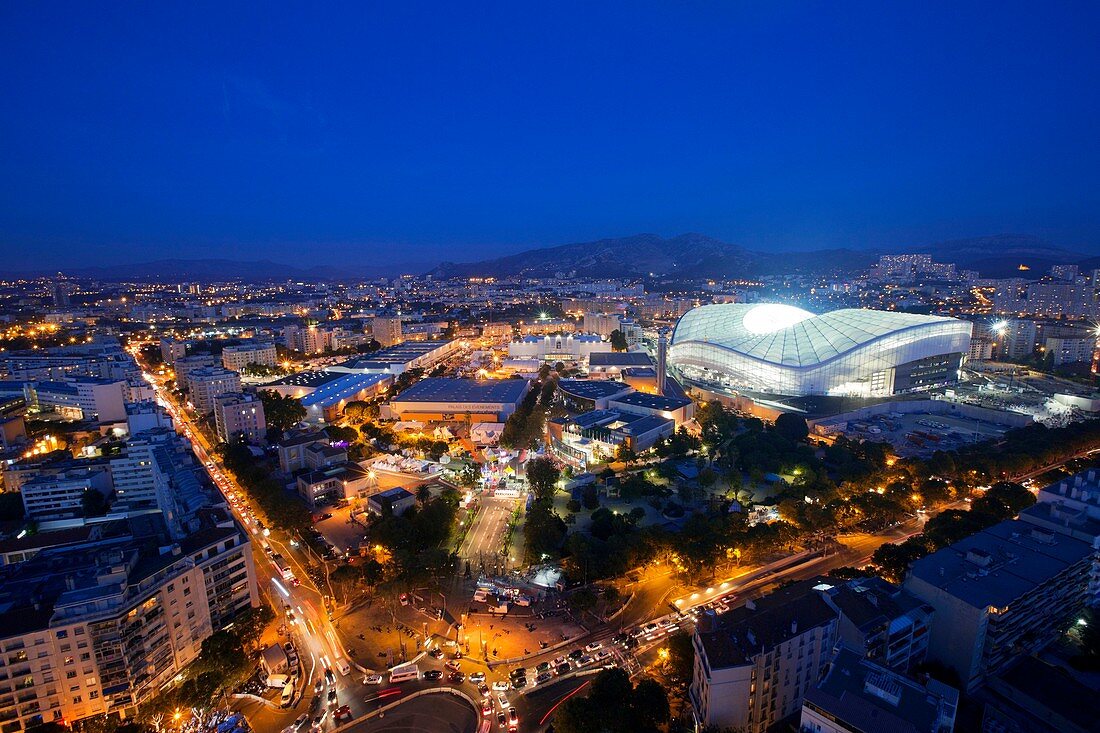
[(502, 700), (456, 678), (543, 678), (483, 689), (593, 646), (301, 720), (342, 713), (433, 675)]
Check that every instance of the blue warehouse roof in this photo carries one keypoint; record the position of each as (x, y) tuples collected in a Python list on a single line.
[(439, 389), (330, 393)]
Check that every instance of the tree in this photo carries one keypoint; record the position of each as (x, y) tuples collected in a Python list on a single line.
[(281, 413), (618, 340), (542, 477), (792, 427), (625, 453), (93, 503)]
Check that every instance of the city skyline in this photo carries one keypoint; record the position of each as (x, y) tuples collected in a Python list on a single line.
[(409, 135)]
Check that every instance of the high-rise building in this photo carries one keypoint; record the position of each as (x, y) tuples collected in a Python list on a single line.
[(386, 331), (239, 415), (207, 383), (1001, 593), (602, 323), (172, 349)]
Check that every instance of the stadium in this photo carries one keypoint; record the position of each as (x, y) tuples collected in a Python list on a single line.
[(783, 350)]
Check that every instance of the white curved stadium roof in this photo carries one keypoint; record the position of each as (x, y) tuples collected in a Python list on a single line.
[(784, 334)]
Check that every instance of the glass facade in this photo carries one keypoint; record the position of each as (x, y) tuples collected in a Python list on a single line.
[(783, 350)]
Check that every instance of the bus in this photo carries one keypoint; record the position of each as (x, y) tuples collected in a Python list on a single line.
[(284, 567), (404, 673)]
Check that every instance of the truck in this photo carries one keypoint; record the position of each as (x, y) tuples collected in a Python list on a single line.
[(283, 566), (277, 680)]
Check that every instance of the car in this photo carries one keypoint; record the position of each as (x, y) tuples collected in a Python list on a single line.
[(319, 686), (500, 686), (319, 721), (519, 683), (330, 676), (584, 661), (433, 675), (456, 678), (301, 720), (332, 696), (453, 666), (342, 713), (483, 689), (326, 515), (295, 582), (604, 654), (542, 667), (502, 700), (576, 654), (314, 703), (487, 706), (477, 677), (437, 653), (513, 719), (543, 678), (502, 719), (594, 646), (559, 660), (372, 679), (562, 668)]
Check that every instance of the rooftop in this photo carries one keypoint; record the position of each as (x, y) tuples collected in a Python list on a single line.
[(784, 334), (873, 699), (652, 401), (743, 632), (346, 386), (311, 380), (592, 389), (439, 389), (619, 359), (1000, 564), (401, 353)]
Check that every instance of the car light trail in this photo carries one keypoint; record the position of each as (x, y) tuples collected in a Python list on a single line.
[(559, 702), (282, 590)]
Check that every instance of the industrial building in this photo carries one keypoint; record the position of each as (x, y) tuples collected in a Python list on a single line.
[(782, 350), (326, 402), (398, 359), (469, 400)]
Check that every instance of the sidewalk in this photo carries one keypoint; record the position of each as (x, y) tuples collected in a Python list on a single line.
[(378, 636)]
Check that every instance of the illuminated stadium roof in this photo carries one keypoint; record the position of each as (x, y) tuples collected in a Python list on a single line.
[(784, 334)]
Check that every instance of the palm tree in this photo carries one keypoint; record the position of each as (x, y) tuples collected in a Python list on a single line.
[(423, 494)]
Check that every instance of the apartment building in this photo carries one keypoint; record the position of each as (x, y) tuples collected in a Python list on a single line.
[(856, 695), (100, 627), (880, 621), (754, 664), (1072, 507), (61, 496), (172, 349), (207, 383), (187, 364), (237, 414), (1001, 593), (602, 323), (80, 398), (386, 331), (236, 358)]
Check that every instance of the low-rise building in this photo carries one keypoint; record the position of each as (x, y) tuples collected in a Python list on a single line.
[(558, 347), (583, 395), (326, 403), (239, 415), (610, 364), (595, 436), (396, 501), (677, 409), (468, 400), (856, 696), (1001, 593), (329, 484), (292, 450)]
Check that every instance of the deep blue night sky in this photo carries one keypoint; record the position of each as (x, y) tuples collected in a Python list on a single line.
[(407, 132)]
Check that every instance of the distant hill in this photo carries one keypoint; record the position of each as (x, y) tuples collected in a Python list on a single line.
[(212, 270), (697, 255), (687, 255)]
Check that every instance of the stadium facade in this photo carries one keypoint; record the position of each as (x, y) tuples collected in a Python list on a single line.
[(783, 350)]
